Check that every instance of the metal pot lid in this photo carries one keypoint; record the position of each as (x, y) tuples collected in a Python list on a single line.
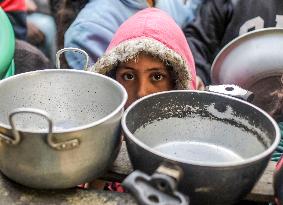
[(249, 58)]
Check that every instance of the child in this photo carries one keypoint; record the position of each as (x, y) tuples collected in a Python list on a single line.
[(148, 54)]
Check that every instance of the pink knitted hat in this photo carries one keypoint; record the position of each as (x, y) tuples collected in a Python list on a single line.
[(154, 32)]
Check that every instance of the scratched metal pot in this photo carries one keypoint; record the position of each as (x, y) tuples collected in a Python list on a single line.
[(59, 128), (221, 143)]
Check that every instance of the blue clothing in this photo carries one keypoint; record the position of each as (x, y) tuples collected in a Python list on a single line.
[(46, 25), (181, 11), (97, 22)]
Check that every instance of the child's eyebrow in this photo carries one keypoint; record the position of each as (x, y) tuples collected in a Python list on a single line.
[(157, 69), (147, 70), (126, 67)]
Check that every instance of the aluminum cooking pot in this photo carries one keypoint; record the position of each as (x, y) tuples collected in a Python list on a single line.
[(250, 58), (59, 128), (221, 143)]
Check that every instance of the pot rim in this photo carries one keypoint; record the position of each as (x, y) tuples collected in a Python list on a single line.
[(250, 160), (82, 127), (215, 71)]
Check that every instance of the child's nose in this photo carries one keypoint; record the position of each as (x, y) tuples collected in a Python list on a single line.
[(144, 88)]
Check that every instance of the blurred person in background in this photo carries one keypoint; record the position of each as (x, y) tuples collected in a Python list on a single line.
[(98, 20), (16, 11), (64, 13), (41, 27), (220, 21), (26, 57)]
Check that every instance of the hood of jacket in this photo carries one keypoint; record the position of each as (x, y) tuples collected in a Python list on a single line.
[(153, 32)]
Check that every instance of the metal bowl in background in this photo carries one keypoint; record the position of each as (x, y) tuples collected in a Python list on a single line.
[(221, 143), (59, 128), (249, 58)]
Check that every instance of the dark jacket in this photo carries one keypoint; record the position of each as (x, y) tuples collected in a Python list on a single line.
[(220, 21), (29, 58)]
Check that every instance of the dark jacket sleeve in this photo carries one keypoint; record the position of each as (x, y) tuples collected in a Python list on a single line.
[(19, 21), (205, 33), (29, 58)]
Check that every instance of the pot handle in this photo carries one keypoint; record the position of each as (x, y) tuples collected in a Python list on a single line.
[(58, 54), (58, 146), (157, 189), (231, 90)]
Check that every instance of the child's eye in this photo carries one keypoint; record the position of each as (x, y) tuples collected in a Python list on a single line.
[(157, 77), (128, 76)]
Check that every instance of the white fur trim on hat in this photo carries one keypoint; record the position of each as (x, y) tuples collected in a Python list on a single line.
[(130, 49)]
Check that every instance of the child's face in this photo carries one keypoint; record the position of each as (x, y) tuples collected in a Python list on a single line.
[(143, 76)]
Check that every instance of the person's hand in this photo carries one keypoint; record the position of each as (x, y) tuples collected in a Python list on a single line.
[(31, 6), (200, 84), (34, 35)]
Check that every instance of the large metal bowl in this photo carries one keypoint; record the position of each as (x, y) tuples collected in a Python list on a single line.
[(59, 128), (221, 143), (250, 58)]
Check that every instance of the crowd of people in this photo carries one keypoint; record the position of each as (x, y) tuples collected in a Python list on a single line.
[(148, 46)]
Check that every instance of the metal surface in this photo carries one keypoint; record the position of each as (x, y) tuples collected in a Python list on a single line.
[(231, 90), (85, 107), (158, 189), (58, 54), (70, 144), (222, 144), (249, 58)]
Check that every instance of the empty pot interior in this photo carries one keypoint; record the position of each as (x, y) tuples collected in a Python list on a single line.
[(72, 99), (200, 126)]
